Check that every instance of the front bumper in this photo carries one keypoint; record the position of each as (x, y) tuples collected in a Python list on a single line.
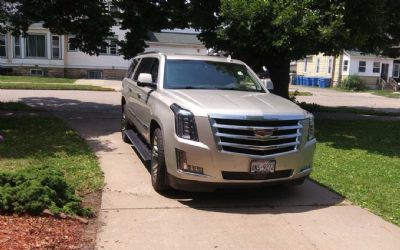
[(223, 170)]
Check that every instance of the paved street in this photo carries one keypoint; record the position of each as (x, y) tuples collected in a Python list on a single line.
[(332, 98), (133, 216)]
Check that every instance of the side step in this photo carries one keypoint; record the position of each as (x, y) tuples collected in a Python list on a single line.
[(139, 145)]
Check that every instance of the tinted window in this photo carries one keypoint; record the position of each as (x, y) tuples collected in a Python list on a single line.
[(149, 66), (196, 74)]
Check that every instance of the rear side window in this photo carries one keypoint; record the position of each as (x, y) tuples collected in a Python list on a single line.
[(148, 65)]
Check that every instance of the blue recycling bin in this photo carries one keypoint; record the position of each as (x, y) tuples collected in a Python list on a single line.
[(314, 81), (324, 82), (309, 81), (294, 80)]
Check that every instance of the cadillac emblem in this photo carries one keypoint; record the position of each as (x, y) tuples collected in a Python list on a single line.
[(263, 132)]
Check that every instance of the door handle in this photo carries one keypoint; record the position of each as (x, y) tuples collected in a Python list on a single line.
[(139, 96), (130, 89)]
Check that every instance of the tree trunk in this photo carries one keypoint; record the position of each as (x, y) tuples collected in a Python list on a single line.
[(279, 71)]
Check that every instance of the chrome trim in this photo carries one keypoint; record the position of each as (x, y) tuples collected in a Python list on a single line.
[(252, 128), (258, 117), (258, 138), (190, 173), (259, 148)]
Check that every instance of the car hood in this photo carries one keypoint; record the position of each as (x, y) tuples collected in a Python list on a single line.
[(228, 102)]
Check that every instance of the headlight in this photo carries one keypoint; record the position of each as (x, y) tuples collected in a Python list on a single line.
[(185, 125), (311, 126)]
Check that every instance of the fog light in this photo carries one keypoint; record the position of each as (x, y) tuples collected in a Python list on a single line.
[(182, 165)]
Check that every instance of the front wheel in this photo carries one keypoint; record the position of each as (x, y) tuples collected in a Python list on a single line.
[(158, 169)]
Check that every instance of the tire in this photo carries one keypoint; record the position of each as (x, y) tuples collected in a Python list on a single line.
[(125, 125), (158, 169)]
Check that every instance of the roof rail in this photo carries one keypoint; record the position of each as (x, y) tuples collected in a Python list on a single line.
[(149, 52)]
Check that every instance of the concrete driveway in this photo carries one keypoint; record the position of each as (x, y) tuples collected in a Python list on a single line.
[(133, 216)]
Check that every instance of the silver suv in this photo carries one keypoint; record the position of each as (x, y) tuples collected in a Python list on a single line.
[(205, 122)]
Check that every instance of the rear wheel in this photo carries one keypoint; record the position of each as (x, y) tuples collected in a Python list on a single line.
[(158, 169), (125, 125)]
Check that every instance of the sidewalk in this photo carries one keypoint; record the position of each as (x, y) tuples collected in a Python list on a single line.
[(333, 98)]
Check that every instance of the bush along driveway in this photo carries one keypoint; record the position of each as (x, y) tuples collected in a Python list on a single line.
[(44, 166)]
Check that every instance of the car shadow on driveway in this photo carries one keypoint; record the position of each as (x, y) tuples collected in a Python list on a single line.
[(271, 199)]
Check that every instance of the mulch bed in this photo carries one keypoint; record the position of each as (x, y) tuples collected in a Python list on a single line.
[(26, 232)]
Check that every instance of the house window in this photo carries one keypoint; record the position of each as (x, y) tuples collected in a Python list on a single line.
[(95, 74), (317, 67), (71, 48), (330, 65), (36, 72), (113, 47), (377, 67), (362, 66), (110, 48), (35, 45), (305, 64), (55, 47), (3, 46), (396, 70), (17, 46), (345, 65)]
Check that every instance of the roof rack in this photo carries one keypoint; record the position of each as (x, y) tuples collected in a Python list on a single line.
[(149, 52)]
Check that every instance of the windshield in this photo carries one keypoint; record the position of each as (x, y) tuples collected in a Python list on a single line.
[(196, 74)]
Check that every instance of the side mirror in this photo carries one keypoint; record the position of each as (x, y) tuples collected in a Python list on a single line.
[(145, 80), (270, 85)]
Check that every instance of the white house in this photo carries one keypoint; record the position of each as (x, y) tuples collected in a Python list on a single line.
[(43, 53), (367, 66)]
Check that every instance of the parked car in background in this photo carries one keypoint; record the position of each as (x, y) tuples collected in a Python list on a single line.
[(206, 122)]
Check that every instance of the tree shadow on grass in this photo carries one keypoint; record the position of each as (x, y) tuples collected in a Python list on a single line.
[(376, 137)]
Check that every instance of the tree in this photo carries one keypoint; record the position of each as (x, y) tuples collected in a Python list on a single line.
[(88, 20), (272, 33), (141, 17)]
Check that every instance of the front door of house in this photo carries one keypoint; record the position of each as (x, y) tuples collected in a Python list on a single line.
[(385, 71)]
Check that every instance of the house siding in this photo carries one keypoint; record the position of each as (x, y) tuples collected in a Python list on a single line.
[(76, 64)]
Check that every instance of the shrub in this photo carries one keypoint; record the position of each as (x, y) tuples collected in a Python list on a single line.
[(31, 191), (354, 83)]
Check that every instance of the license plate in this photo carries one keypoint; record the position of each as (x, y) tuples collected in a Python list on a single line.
[(262, 166)]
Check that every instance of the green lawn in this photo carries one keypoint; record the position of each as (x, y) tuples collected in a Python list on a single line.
[(45, 83), (38, 142), (386, 93), (361, 161), (312, 107), (31, 79), (299, 93)]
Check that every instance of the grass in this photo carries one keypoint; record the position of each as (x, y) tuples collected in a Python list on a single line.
[(31, 79), (37, 142), (45, 83), (385, 93), (16, 106), (299, 93), (312, 107), (357, 160)]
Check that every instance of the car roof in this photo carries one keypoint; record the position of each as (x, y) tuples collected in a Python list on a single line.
[(173, 56)]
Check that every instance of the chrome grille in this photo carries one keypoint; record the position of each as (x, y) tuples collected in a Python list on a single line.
[(257, 137)]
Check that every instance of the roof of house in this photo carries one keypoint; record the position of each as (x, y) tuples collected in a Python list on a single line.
[(361, 54), (174, 38)]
